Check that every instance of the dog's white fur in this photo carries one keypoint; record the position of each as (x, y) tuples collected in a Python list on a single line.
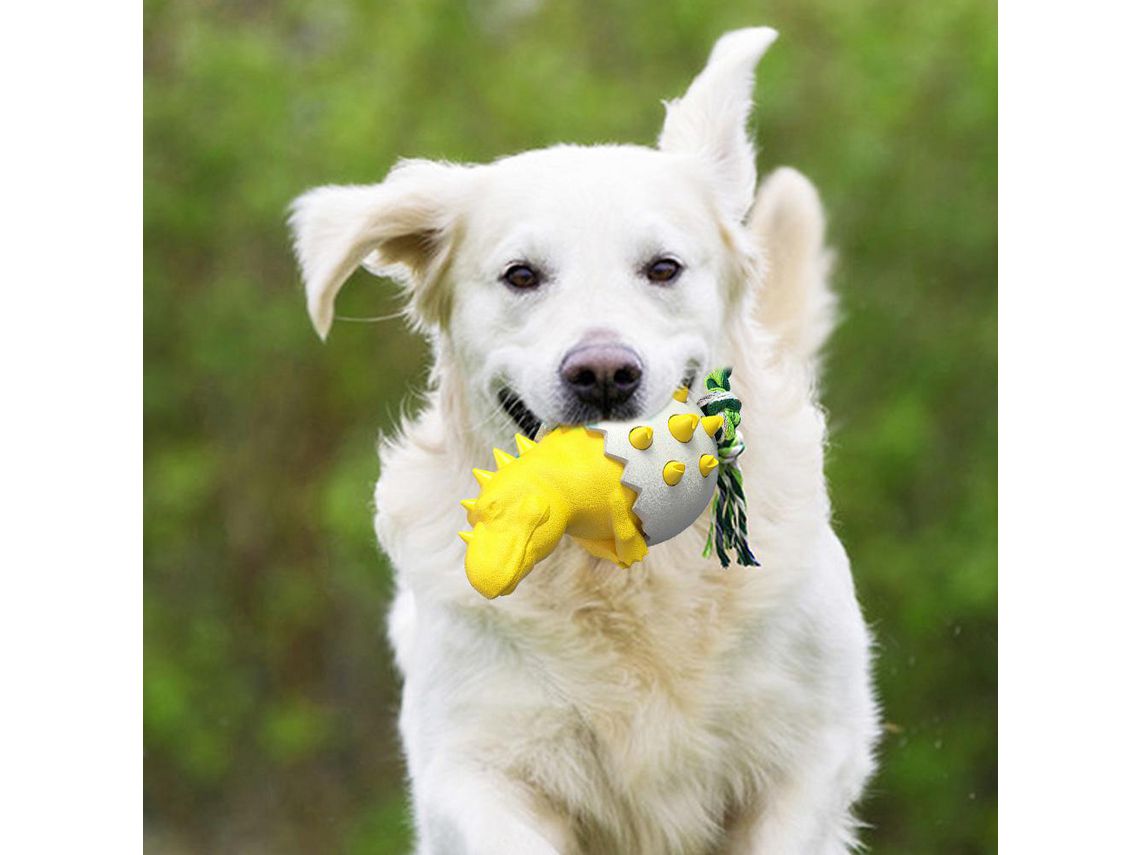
[(674, 706)]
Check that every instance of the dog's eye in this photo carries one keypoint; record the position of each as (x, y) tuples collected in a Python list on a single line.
[(662, 270), (521, 276)]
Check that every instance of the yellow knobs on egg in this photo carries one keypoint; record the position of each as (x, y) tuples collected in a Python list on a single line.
[(641, 438), (712, 424), (683, 426), (672, 473)]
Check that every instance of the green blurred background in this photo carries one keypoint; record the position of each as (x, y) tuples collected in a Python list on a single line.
[(270, 696)]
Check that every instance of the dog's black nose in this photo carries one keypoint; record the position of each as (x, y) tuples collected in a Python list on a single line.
[(601, 375)]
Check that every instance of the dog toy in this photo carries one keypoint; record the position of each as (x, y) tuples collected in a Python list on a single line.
[(617, 488)]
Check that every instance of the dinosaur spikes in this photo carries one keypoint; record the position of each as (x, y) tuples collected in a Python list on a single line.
[(707, 464), (502, 459), (672, 472), (482, 476), (469, 506), (466, 536), (683, 425), (524, 443), (681, 395), (641, 438), (712, 424)]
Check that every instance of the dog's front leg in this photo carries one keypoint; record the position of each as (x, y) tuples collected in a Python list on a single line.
[(786, 828), (808, 811), (462, 810)]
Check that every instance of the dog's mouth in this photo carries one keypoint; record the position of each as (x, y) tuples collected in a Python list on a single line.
[(529, 424)]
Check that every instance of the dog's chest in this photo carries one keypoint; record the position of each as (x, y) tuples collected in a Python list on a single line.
[(647, 691)]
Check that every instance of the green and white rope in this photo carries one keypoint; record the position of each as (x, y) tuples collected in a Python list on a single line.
[(728, 528)]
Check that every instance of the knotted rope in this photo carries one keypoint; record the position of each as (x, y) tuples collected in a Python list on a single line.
[(728, 528)]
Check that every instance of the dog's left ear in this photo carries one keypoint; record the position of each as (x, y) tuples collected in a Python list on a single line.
[(403, 227), (711, 120)]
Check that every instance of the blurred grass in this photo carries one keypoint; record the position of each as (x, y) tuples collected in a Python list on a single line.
[(270, 699)]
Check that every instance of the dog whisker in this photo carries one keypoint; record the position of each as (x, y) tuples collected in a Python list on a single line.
[(374, 319)]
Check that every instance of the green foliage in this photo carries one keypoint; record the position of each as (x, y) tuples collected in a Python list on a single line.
[(269, 720)]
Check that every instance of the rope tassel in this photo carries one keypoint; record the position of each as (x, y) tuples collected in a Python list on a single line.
[(728, 528)]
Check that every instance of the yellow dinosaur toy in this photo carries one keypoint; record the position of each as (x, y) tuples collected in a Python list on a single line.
[(615, 487)]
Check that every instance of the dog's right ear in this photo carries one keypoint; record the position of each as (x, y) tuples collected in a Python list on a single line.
[(403, 227)]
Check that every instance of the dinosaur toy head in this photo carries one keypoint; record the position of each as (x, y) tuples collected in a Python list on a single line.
[(515, 524)]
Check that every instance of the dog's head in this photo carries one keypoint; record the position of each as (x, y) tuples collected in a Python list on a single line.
[(569, 284)]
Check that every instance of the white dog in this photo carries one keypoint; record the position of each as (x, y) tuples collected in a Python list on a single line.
[(674, 707)]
